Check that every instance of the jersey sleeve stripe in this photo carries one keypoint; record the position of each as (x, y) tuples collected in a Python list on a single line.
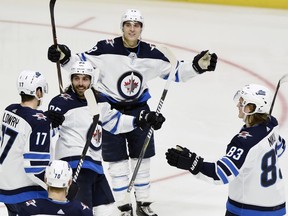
[(224, 167), (116, 116), (34, 169), (37, 156), (222, 175), (231, 166)]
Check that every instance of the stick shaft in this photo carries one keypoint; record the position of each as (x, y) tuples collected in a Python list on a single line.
[(52, 5), (173, 62), (283, 79)]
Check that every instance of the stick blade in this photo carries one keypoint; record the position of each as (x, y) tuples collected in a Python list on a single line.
[(169, 55), (90, 96), (51, 5), (284, 78)]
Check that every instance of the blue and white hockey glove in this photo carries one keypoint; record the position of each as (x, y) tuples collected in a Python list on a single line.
[(147, 119), (183, 158), (204, 62), (59, 53)]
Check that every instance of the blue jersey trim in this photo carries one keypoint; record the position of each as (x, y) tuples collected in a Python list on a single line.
[(34, 169), (231, 166), (120, 189), (141, 185), (87, 165), (22, 197), (222, 175), (264, 211), (36, 156)]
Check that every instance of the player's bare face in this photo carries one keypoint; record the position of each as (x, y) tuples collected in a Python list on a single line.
[(80, 84), (131, 33)]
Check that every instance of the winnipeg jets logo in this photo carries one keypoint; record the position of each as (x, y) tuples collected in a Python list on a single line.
[(84, 206), (66, 96), (40, 116), (110, 41), (129, 84), (31, 202), (97, 135), (96, 140), (244, 134), (261, 92), (152, 46)]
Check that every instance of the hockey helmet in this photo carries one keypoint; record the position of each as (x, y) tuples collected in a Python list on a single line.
[(84, 68), (29, 81), (132, 15), (58, 174), (255, 94)]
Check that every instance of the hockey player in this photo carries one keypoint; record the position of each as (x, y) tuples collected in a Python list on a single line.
[(58, 177), (94, 188), (126, 64), (25, 144), (250, 166)]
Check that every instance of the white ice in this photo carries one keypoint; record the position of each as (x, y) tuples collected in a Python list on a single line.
[(252, 47)]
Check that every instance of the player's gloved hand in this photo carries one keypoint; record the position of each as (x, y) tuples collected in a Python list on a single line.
[(182, 158), (59, 53), (204, 62), (56, 118), (147, 119)]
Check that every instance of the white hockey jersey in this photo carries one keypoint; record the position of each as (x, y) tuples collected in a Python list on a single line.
[(72, 133), (251, 167), (124, 73), (24, 154)]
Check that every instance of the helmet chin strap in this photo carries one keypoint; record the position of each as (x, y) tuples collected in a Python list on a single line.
[(39, 99)]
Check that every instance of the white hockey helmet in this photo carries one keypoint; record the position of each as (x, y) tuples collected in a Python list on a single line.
[(58, 174), (84, 68), (255, 94), (132, 15), (29, 81)]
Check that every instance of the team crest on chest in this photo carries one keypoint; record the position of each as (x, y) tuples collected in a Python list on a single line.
[(129, 84), (244, 134)]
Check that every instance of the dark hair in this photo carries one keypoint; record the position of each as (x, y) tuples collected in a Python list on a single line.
[(25, 97)]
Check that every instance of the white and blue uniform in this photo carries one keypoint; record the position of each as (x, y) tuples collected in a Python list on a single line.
[(72, 135), (24, 154), (95, 189), (123, 76), (251, 168), (49, 207), (124, 73)]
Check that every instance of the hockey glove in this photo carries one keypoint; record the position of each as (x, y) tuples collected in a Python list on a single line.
[(60, 53), (182, 158), (204, 62), (147, 119), (55, 118)]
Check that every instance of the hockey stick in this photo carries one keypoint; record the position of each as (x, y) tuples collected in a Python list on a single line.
[(173, 61), (52, 5), (283, 79), (93, 108)]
